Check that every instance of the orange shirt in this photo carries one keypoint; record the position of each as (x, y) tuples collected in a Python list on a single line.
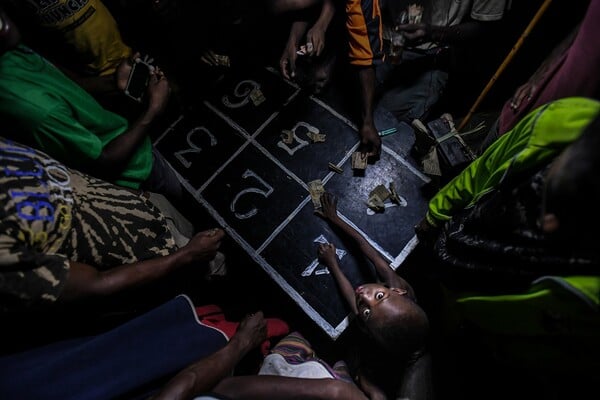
[(365, 31)]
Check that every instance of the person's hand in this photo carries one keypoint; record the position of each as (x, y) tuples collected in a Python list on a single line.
[(372, 391), (203, 246), (415, 33), (252, 331), (326, 254), (316, 38), (287, 62), (158, 91), (123, 71), (370, 141), (208, 58), (523, 92), (426, 233), (328, 206), (159, 5)]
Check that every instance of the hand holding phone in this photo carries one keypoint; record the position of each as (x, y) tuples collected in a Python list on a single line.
[(139, 76), (158, 91)]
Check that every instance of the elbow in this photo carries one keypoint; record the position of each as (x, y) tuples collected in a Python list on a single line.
[(340, 390)]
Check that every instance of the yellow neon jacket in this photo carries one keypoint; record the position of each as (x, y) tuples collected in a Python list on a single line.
[(536, 139)]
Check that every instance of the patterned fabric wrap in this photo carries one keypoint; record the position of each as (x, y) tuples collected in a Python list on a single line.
[(297, 351), (50, 215)]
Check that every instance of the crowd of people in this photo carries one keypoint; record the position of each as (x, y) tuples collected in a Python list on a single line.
[(90, 210)]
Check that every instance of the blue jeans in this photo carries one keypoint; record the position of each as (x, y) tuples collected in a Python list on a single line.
[(410, 89), (163, 179)]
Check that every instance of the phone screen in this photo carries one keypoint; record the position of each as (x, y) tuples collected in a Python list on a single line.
[(138, 81)]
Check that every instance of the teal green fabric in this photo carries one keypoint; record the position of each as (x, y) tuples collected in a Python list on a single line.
[(571, 298), (554, 326), (555, 323), (537, 138), (60, 118)]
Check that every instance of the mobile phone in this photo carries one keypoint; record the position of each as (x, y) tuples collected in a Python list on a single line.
[(137, 83)]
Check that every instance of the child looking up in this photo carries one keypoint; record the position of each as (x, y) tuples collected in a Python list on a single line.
[(387, 309)]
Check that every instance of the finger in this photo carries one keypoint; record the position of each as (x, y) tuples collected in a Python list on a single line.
[(216, 233), (375, 152), (309, 48), (320, 48), (211, 232), (283, 67), (207, 60), (210, 55)]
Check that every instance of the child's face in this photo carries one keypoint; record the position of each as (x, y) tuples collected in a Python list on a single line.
[(377, 303)]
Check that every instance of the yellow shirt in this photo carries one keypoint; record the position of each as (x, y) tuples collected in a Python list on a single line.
[(88, 27)]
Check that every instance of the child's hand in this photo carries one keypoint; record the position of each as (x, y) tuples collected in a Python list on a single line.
[(329, 206), (326, 254)]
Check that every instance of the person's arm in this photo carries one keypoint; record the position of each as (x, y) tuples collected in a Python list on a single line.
[(417, 380), (95, 85), (282, 387), (416, 34), (328, 256), (372, 390), (526, 90), (364, 27), (203, 375), (117, 153), (384, 271), (86, 281), (287, 62), (316, 34), (370, 140), (283, 6)]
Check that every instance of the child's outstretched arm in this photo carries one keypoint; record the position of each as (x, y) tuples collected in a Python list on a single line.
[(383, 269), (328, 257)]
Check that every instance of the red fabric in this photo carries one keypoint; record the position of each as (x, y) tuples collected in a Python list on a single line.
[(213, 316)]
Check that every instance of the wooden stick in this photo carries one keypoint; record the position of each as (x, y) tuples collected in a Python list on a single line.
[(506, 61)]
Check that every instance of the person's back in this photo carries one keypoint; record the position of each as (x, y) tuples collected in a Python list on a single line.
[(521, 272), (570, 70), (84, 32), (53, 215), (413, 80), (52, 112), (67, 236), (537, 138)]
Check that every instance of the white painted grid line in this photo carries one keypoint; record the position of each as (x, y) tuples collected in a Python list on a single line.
[(276, 72), (169, 129), (334, 112), (410, 246), (222, 167), (282, 225), (229, 121), (408, 165), (279, 164), (375, 245)]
